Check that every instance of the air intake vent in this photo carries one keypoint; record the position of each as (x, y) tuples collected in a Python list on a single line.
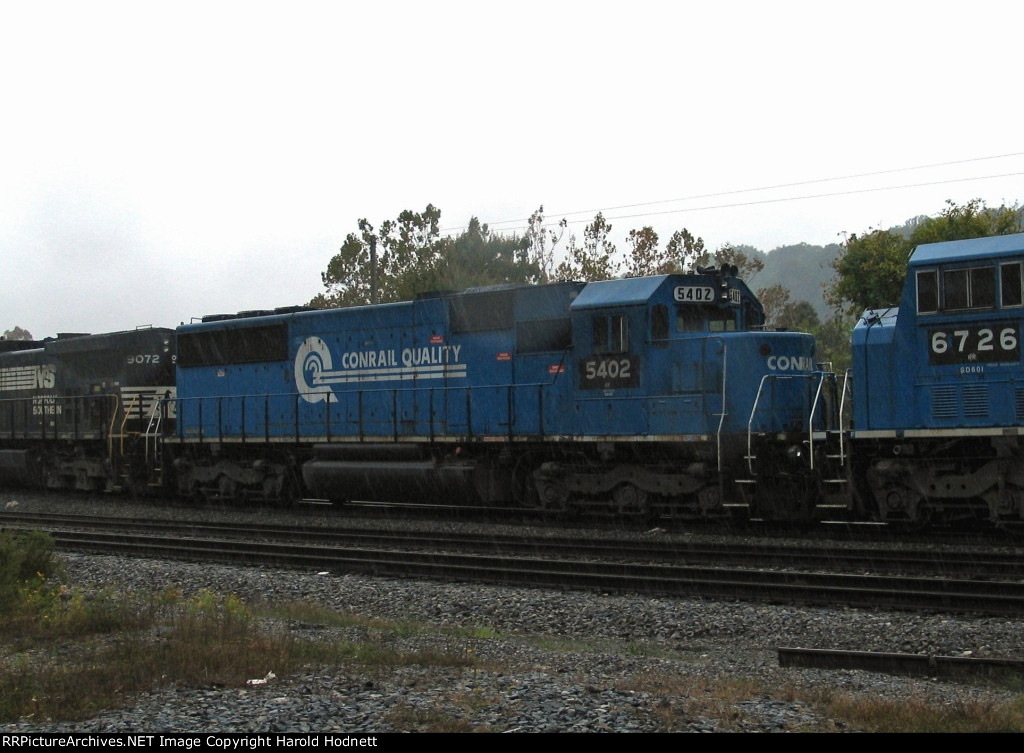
[(1019, 399), (944, 402), (976, 401)]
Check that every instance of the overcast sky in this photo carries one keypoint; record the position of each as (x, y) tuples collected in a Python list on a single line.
[(161, 161)]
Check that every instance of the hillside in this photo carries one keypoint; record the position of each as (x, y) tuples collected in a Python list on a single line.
[(803, 269)]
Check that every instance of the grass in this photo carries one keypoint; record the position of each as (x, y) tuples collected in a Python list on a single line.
[(67, 654)]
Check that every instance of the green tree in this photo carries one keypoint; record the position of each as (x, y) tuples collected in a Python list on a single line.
[(773, 299), (17, 333), (410, 251), (478, 258), (869, 271), (833, 340), (542, 243), (644, 258), (797, 316), (742, 257), (683, 250), (413, 257), (595, 259), (871, 266)]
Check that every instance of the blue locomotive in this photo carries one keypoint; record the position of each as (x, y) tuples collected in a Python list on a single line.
[(85, 411), (638, 395), (939, 403), (635, 396)]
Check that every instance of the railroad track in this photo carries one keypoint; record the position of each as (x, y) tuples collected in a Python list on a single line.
[(555, 565), (917, 665), (972, 564)]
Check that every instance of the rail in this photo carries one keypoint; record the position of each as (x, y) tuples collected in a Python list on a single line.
[(515, 412), (50, 417), (367, 415)]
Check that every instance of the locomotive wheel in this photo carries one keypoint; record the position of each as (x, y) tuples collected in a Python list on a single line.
[(552, 496), (226, 488), (197, 494), (630, 500)]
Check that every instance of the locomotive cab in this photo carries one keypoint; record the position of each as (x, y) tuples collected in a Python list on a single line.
[(684, 402), (938, 416)]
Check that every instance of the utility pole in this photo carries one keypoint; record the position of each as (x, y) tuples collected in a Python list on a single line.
[(373, 270)]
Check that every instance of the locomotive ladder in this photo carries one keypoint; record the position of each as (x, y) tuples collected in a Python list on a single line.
[(839, 432), (812, 435), (150, 436), (152, 440)]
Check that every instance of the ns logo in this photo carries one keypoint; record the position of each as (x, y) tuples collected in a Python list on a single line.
[(42, 377), (46, 377)]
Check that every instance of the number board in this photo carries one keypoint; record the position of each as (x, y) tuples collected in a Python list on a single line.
[(701, 294), (694, 294), (979, 343), (609, 372)]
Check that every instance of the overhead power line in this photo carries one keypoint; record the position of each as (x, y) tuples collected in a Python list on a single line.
[(590, 212), (809, 196)]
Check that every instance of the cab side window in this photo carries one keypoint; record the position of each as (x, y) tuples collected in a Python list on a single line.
[(1012, 284), (611, 334)]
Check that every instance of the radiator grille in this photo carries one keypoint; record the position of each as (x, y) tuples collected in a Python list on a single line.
[(944, 402), (976, 401)]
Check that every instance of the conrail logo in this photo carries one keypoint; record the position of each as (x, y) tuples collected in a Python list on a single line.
[(790, 363), (315, 371)]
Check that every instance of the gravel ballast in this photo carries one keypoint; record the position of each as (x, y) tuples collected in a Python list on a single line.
[(568, 661)]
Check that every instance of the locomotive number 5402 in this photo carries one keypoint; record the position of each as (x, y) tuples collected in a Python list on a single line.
[(605, 372)]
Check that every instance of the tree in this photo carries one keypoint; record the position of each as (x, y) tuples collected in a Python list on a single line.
[(542, 243), (869, 271), (683, 250), (644, 258), (773, 300), (797, 316), (594, 260), (414, 258), (833, 341), (17, 333), (406, 249), (747, 265), (871, 267), (478, 258)]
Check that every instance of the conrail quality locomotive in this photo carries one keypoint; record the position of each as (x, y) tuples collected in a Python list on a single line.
[(649, 395)]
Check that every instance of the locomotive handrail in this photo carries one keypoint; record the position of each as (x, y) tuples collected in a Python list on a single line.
[(810, 419), (358, 401), (847, 381), (813, 411), (124, 422), (721, 420), (153, 429), (750, 424), (110, 432), (753, 413)]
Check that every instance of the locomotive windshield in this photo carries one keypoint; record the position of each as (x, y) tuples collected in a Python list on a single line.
[(705, 319)]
